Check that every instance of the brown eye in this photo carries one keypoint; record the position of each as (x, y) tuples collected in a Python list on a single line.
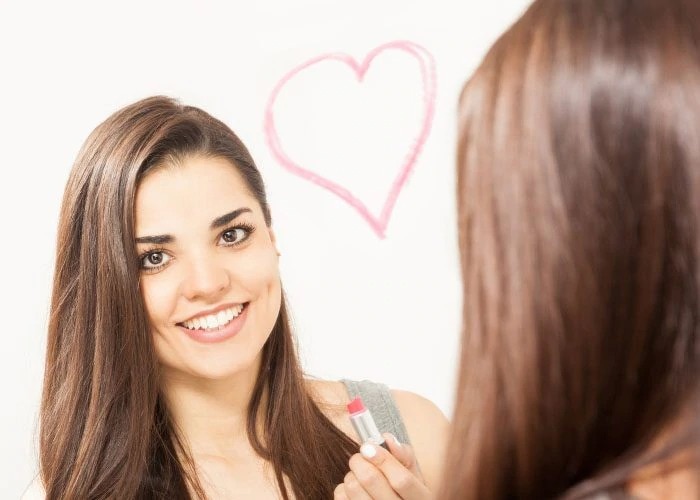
[(154, 260), (235, 235)]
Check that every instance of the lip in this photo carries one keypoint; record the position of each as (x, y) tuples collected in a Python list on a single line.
[(215, 310), (230, 330)]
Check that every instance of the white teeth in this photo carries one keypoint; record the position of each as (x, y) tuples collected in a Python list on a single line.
[(214, 321)]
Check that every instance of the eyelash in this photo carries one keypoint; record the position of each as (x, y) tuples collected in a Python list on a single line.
[(248, 228)]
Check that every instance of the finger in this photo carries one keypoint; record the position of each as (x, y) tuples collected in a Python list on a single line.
[(371, 479), (404, 482), (353, 488), (404, 454), (339, 493)]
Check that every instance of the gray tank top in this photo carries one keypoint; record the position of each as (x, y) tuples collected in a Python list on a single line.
[(379, 401)]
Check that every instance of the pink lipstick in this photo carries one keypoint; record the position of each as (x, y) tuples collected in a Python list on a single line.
[(364, 424)]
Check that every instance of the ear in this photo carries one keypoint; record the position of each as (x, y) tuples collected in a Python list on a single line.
[(273, 239)]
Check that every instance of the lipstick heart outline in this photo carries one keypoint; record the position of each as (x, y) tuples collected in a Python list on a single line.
[(427, 69)]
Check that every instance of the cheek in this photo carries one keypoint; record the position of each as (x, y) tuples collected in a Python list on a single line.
[(259, 272), (260, 277), (158, 298)]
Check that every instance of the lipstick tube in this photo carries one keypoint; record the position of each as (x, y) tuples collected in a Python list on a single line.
[(364, 424)]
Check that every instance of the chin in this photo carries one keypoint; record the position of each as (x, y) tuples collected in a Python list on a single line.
[(222, 367), (220, 361)]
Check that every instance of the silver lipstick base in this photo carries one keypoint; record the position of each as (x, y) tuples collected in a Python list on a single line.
[(367, 429)]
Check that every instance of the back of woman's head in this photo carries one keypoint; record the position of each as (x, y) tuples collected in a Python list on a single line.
[(579, 197)]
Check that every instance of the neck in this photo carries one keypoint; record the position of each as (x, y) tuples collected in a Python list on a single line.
[(211, 415)]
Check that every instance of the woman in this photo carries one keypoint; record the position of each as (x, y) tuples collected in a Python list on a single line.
[(171, 371), (579, 196)]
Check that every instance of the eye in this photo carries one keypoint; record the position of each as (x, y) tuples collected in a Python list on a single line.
[(154, 260), (235, 235)]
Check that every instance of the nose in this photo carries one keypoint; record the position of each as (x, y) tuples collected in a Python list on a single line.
[(206, 279)]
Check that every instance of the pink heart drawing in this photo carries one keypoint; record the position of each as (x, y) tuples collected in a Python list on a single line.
[(427, 70)]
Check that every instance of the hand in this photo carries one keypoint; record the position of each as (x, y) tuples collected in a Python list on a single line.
[(377, 474)]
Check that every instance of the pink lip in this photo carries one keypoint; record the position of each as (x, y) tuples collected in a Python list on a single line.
[(225, 333), (215, 310)]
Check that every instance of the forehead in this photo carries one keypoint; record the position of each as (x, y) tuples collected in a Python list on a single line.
[(196, 190)]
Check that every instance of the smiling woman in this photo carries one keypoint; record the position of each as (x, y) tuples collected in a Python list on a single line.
[(171, 370), (209, 268)]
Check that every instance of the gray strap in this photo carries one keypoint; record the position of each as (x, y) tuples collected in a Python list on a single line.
[(379, 401)]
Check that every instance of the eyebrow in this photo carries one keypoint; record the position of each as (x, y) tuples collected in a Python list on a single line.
[(220, 221), (156, 240), (225, 219)]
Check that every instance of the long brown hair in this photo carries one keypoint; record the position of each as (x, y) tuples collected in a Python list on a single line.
[(579, 196), (105, 427)]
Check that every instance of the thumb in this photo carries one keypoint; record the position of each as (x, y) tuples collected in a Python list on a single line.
[(403, 453)]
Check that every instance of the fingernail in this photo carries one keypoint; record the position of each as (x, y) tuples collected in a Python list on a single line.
[(368, 450), (396, 441)]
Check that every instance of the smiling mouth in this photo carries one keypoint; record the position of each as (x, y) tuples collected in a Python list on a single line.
[(214, 322)]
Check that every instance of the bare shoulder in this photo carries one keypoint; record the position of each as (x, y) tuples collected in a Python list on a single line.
[(332, 397), (428, 429), (327, 392), (35, 491)]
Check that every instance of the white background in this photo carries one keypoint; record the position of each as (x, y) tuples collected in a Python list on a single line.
[(364, 307)]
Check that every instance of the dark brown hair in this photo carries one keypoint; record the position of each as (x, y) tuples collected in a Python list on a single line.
[(579, 195), (105, 428)]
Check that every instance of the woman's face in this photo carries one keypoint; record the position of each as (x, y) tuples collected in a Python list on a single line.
[(209, 268)]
